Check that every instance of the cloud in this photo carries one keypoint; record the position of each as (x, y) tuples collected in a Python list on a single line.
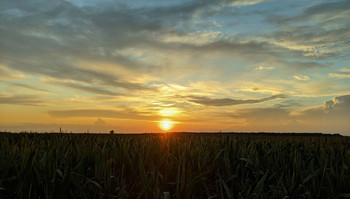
[(301, 77), (85, 88), (332, 117), (265, 68), (310, 114), (6, 73), (288, 104), (304, 65), (229, 102), (318, 32), (30, 87), (196, 38), (333, 114), (309, 42), (247, 2), (342, 73), (63, 70), (65, 35), (321, 11), (123, 26), (341, 103), (70, 32), (262, 115), (100, 122), (29, 100), (105, 113)]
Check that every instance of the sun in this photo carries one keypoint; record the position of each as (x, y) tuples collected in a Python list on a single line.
[(166, 125)]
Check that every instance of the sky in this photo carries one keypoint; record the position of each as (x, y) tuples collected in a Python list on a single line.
[(201, 66)]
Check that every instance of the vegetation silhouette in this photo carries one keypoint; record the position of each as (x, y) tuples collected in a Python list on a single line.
[(174, 165)]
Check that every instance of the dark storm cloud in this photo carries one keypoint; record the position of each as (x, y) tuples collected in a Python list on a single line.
[(229, 102), (29, 100), (122, 114)]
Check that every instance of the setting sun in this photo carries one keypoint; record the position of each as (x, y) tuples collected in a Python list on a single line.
[(166, 125)]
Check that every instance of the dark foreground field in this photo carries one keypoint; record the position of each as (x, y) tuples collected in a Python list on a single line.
[(174, 166)]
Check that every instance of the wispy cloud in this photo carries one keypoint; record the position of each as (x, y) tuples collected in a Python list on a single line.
[(29, 100), (301, 77), (321, 11), (6, 73), (264, 68), (30, 87), (262, 115), (103, 113), (86, 88), (320, 31), (229, 102), (342, 73), (247, 2)]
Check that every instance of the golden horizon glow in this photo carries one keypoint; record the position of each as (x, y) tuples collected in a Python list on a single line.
[(169, 112)]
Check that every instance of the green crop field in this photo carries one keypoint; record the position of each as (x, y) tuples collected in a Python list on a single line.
[(174, 165)]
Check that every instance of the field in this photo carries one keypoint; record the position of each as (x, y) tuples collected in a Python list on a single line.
[(174, 165)]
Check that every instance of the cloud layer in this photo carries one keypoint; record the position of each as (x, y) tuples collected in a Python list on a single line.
[(191, 61), (229, 102)]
